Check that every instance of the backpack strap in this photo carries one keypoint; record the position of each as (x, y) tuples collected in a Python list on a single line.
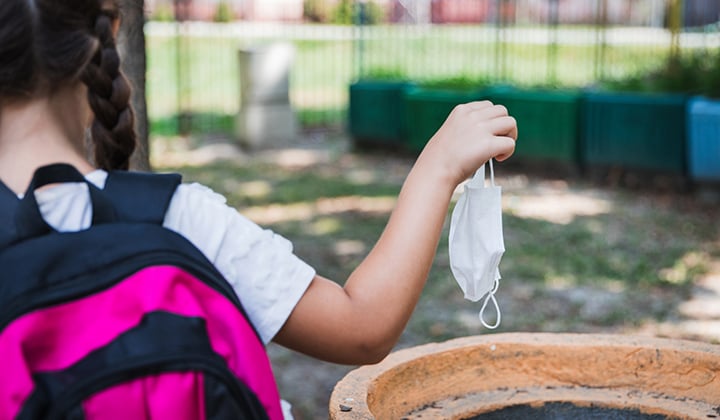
[(24, 218), (141, 197), (8, 206), (128, 196)]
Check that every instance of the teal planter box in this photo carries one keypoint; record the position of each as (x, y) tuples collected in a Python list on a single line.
[(548, 123), (639, 131), (427, 109), (377, 112), (704, 139)]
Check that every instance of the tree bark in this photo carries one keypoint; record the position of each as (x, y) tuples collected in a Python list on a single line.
[(131, 46)]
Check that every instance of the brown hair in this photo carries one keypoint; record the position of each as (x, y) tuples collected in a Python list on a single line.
[(47, 44)]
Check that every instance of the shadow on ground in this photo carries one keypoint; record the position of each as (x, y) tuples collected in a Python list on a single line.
[(581, 256)]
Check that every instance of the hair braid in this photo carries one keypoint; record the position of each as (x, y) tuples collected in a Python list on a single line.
[(112, 130), (17, 56)]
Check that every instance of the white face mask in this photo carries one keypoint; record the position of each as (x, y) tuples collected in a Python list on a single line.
[(476, 242)]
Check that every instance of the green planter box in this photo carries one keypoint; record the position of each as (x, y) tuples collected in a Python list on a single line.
[(548, 123), (704, 139), (377, 112), (639, 131), (427, 109)]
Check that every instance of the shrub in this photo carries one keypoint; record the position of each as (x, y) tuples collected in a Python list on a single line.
[(385, 74), (373, 13), (458, 83), (317, 11), (370, 13), (344, 13), (697, 73), (224, 13), (163, 13), (711, 80)]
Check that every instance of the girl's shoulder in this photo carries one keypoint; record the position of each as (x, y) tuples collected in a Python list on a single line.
[(203, 216), (198, 204)]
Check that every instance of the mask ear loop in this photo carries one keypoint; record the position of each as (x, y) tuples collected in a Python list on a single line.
[(491, 297), (492, 173), (491, 294)]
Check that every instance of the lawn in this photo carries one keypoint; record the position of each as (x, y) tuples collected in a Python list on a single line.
[(581, 256)]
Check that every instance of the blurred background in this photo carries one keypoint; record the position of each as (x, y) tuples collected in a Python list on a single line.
[(193, 47), (308, 114)]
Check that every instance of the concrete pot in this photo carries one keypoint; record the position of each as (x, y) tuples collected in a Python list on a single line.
[(529, 375), (266, 118)]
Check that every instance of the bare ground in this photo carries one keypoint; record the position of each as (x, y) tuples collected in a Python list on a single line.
[(691, 312)]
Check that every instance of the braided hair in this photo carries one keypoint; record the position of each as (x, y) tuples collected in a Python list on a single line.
[(48, 44)]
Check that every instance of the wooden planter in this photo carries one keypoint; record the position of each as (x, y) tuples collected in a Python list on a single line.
[(522, 375), (548, 121), (637, 131), (377, 113), (704, 139)]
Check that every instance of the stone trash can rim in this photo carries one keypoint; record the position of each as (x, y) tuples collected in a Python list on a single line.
[(468, 376)]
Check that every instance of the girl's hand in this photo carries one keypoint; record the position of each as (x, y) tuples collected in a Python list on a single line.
[(472, 134), (361, 322)]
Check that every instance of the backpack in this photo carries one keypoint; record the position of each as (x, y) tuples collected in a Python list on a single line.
[(123, 320)]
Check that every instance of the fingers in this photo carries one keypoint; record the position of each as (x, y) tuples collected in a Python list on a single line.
[(501, 124), (498, 119), (482, 109), (504, 126), (490, 121), (490, 112), (477, 105), (497, 116), (514, 132), (503, 147)]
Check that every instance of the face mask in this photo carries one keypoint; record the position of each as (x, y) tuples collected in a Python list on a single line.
[(476, 241)]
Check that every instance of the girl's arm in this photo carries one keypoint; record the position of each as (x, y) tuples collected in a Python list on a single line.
[(361, 322)]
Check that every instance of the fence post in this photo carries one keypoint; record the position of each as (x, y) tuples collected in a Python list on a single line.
[(552, 42), (359, 39), (182, 75), (500, 39), (601, 21), (675, 22)]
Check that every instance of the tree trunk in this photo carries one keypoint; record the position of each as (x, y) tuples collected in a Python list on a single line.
[(131, 46)]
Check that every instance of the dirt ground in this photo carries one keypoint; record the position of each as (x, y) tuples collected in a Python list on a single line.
[(688, 313)]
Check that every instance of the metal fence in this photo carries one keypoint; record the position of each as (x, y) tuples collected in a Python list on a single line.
[(193, 81), (193, 71)]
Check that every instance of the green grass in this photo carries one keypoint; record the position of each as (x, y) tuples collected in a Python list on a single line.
[(593, 251), (316, 236), (203, 79), (284, 186)]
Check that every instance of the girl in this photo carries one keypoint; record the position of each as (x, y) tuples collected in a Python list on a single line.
[(59, 76)]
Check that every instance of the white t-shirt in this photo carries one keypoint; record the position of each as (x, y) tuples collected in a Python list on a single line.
[(260, 265)]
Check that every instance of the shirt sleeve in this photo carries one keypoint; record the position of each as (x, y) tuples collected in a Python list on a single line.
[(268, 278)]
